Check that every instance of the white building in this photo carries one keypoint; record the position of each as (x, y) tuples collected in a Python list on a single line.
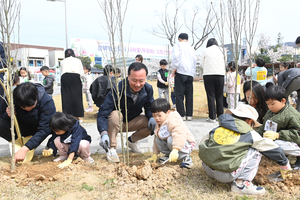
[(34, 57)]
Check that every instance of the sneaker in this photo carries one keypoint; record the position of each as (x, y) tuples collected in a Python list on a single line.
[(183, 118), (89, 109), (163, 159), (60, 158), (247, 188), (112, 156), (173, 106), (187, 163), (189, 118), (89, 159), (211, 120), (134, 146)]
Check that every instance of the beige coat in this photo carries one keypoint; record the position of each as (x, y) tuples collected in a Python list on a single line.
[(175, 127)]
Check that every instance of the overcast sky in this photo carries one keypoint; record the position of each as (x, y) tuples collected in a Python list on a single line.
[(43, 22)]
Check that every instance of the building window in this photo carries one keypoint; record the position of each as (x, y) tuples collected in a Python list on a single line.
[(31, 63), (39, 63)]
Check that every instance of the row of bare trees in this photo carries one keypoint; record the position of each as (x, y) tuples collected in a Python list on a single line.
[(233, 18)]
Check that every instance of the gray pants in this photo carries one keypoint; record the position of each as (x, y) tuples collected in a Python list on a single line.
[(294, 86), (165, 146), (289, 148), (246, 171), (163, 91)]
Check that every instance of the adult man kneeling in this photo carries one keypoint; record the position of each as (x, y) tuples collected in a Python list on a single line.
[(139, 94), (33, 109)]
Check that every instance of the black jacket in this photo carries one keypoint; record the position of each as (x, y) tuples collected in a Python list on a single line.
[(48, 83), (165, 78), (285, 77), (73, 137), (133, 109), (99, 89), (38, 117)]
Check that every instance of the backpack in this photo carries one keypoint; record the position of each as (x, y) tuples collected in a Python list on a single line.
[(99, 89)]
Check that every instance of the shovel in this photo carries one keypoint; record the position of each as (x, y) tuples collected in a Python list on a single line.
[(162, 164), (114, 158), (275, 177)]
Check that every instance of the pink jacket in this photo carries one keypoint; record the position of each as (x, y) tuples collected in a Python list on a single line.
[(231, 83), (175, 127)]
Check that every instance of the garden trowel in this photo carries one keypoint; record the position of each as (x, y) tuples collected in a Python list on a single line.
[(162, 164), (275, 177), (113, 158)]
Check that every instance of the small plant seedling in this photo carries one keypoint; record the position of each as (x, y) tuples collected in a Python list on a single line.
[(86, 187), (109, 181)]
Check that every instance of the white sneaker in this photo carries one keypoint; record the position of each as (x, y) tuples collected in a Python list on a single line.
[(112, 156), (247, 188), (183, 118), (189, 118), (134, 146), (211, 120), (173, 106)]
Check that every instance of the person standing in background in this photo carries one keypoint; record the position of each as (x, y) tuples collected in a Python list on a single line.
[(87, 81), (184, 68), (71, 85), (139, 58), (163, 80), (213, 64)]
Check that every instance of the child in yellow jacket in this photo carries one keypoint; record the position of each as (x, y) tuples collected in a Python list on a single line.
[(172, 137)]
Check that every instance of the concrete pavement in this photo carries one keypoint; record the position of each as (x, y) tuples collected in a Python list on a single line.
[(198, 127)]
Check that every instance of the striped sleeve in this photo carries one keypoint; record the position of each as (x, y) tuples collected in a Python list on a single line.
[(268, 148)]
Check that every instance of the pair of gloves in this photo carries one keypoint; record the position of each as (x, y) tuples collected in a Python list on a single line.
[(172, 157), (49, 152)]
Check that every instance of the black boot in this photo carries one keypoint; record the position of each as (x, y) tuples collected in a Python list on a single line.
[(296, 166)]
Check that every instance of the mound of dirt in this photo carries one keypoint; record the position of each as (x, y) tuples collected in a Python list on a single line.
[(266, 167), (143, 179)]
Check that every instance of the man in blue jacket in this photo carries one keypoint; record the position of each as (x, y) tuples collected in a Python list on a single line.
[(33, 109), (139, 95)]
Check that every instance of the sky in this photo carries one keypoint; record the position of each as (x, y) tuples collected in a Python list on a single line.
[(43, 22)]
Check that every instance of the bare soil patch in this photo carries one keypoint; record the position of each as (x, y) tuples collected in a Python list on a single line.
[(42, 179)]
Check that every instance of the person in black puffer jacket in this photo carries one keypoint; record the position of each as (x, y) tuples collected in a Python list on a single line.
[(33, 109)]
